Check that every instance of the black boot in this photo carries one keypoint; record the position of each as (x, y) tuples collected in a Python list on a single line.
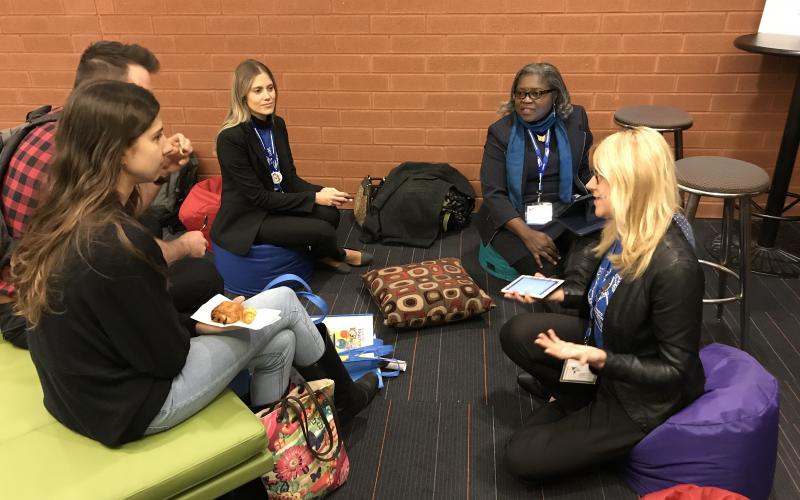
[(350, 397), (532, 385)]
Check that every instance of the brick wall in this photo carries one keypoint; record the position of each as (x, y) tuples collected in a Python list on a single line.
[(366, 84)]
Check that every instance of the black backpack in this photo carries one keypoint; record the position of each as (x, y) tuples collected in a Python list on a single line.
[(10, 140), (168, 201)]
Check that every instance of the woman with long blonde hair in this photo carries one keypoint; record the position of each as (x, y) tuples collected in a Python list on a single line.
[(115, 359), (263, 198), (631, 359)]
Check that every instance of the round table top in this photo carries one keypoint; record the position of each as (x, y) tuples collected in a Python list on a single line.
[(769, 43)]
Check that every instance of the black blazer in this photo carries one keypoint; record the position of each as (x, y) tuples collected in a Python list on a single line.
[(497, 208), (651, 332), (247, 189)]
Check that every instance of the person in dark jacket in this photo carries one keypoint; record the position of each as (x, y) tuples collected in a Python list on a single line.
[(535, 155), (632, 360), (263, 198), (116, 360)]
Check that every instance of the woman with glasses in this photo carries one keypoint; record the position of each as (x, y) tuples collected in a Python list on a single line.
[(264, 201), (631, 359), (534, 165)]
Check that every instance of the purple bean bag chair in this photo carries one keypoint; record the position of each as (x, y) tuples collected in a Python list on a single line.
[(727, 438)]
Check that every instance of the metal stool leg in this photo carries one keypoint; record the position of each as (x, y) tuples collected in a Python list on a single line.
[(678, 144), (744, 270), (724, 249), (691, 206)]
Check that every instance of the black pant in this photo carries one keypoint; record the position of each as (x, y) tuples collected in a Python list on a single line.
[(316, 229), (14, 327), (191, 282), (527, 265), (586, 426)]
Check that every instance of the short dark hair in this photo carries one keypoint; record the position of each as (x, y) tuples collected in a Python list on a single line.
[(551, 77), (109, 60)]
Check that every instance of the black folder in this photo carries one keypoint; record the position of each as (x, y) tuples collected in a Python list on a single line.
[(579, 217)]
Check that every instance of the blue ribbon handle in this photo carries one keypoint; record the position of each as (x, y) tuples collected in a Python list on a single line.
[(306, 293)]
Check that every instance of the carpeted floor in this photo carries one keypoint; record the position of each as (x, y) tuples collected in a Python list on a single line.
[(438, 431)]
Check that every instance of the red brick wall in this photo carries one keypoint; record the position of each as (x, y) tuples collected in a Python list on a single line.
[(366, 84)]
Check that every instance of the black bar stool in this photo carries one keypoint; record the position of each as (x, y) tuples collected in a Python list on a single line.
[(660, 118), (732, 180)]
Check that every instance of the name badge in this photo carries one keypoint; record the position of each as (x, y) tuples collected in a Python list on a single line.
[(576, 373), (538, 214)]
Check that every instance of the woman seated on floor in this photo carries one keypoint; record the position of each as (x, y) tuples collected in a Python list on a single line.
[(536, 155), (115, 359), (641, 332), (263, 198)]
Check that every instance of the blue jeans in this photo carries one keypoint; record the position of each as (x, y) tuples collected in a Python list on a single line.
[(214, 360)]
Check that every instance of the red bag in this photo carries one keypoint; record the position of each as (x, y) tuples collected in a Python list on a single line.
[(200, 207), (693, 492)]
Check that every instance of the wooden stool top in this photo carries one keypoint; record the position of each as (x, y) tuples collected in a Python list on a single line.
[(717, 174), (661, 118)]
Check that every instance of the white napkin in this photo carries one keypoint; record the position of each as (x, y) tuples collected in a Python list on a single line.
[(263, 318)]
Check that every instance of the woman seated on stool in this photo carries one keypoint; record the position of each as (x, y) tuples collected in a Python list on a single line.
[(535, 155), (115, 359), (642, 335), (263, 198)]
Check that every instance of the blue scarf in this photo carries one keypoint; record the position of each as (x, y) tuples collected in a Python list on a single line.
[(515, 157), (607, 280)]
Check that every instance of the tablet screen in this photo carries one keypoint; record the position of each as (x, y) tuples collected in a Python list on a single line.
[(533, 286)]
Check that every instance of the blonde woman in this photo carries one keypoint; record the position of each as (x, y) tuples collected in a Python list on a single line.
[(632, 360), (263, 198)]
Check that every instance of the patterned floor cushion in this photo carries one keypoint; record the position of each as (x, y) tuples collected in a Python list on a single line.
[(427, 293)]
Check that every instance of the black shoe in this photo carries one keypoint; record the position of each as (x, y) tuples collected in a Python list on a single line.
[(366, 258), (357, 397), (533, 386), (337, 266), (348, 396)]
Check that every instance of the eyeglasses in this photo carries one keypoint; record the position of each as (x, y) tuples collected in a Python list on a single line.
[(534, 95)]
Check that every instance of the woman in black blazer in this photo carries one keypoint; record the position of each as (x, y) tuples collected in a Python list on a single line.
[(640, 330), (540, 144), (263, 198)]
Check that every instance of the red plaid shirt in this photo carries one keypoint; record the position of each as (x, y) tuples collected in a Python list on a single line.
[(27, 173)]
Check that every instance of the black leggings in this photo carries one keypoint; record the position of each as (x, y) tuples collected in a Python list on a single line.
[(316, 229), (586, 427)]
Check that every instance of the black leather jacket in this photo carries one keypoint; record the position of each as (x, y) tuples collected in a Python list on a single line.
[(651, 330)]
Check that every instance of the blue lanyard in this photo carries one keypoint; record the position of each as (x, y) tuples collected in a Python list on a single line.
[(605, 284), (541, 159), (272, 157)]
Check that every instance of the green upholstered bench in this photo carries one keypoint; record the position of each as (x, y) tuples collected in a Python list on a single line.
[(215, 451)]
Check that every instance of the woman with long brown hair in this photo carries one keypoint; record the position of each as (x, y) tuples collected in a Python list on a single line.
[(115, 359), (264, 201)]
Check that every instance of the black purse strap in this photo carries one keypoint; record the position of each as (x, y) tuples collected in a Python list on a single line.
[(296, 404)]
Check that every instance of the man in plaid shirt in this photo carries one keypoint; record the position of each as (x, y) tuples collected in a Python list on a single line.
[(193, 280)]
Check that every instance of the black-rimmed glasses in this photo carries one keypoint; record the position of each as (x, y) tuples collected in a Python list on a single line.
[(534, 95)]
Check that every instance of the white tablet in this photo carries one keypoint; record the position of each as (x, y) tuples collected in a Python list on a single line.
[(535, 286)]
